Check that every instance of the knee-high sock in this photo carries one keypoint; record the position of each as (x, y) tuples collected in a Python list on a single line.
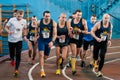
[(73, 63)]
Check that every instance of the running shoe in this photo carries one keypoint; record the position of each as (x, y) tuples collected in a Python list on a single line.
[(74, 72), (42, 74), (58, 72), (99, 74), (16, 73)]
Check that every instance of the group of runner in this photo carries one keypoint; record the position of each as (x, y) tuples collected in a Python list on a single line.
[(71, 38)]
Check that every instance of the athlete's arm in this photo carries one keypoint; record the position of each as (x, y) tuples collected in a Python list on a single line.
[(37, 29), (54, 35), (94, 29), (69, 26), (7, 27), (25, 32), (110, 35), (85, 27), (54, 31)]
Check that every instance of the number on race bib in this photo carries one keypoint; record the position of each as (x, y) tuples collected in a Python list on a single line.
[(61, 40), (32, 38), (103, 38), (45, 34), (76, 36)]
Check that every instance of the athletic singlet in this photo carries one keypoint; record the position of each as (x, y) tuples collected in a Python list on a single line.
[(62, 31), (103, 32), (31, 33), (75, 27), (46, 31)]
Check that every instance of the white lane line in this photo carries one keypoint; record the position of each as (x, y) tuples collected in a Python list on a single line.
[(112, 60), (63, 71), (112, 53), (64, 74), (107, 63), (108, 47), (108, 78), (31, 69), (114, 47), (111, 47)]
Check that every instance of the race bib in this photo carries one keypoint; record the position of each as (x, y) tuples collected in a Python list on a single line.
[(76, 36), (103, 38), (104, 35), (17, 30), (61, 40), (45, 34), (17, 33), (32, 38)]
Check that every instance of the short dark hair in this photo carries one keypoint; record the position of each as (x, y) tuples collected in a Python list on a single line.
[(93, 15), (73, 13), (77, 11), (14, 11), (33, 16), (45, 12), (70, 17), (21, 12)]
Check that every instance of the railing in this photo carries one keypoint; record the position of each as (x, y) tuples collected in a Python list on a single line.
[(84, 5), (115, 17), (116, 23), (105, 8)]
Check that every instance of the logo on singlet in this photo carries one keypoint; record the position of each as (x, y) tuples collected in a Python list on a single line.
[(104, 35), (75, 33), (46, 32)]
